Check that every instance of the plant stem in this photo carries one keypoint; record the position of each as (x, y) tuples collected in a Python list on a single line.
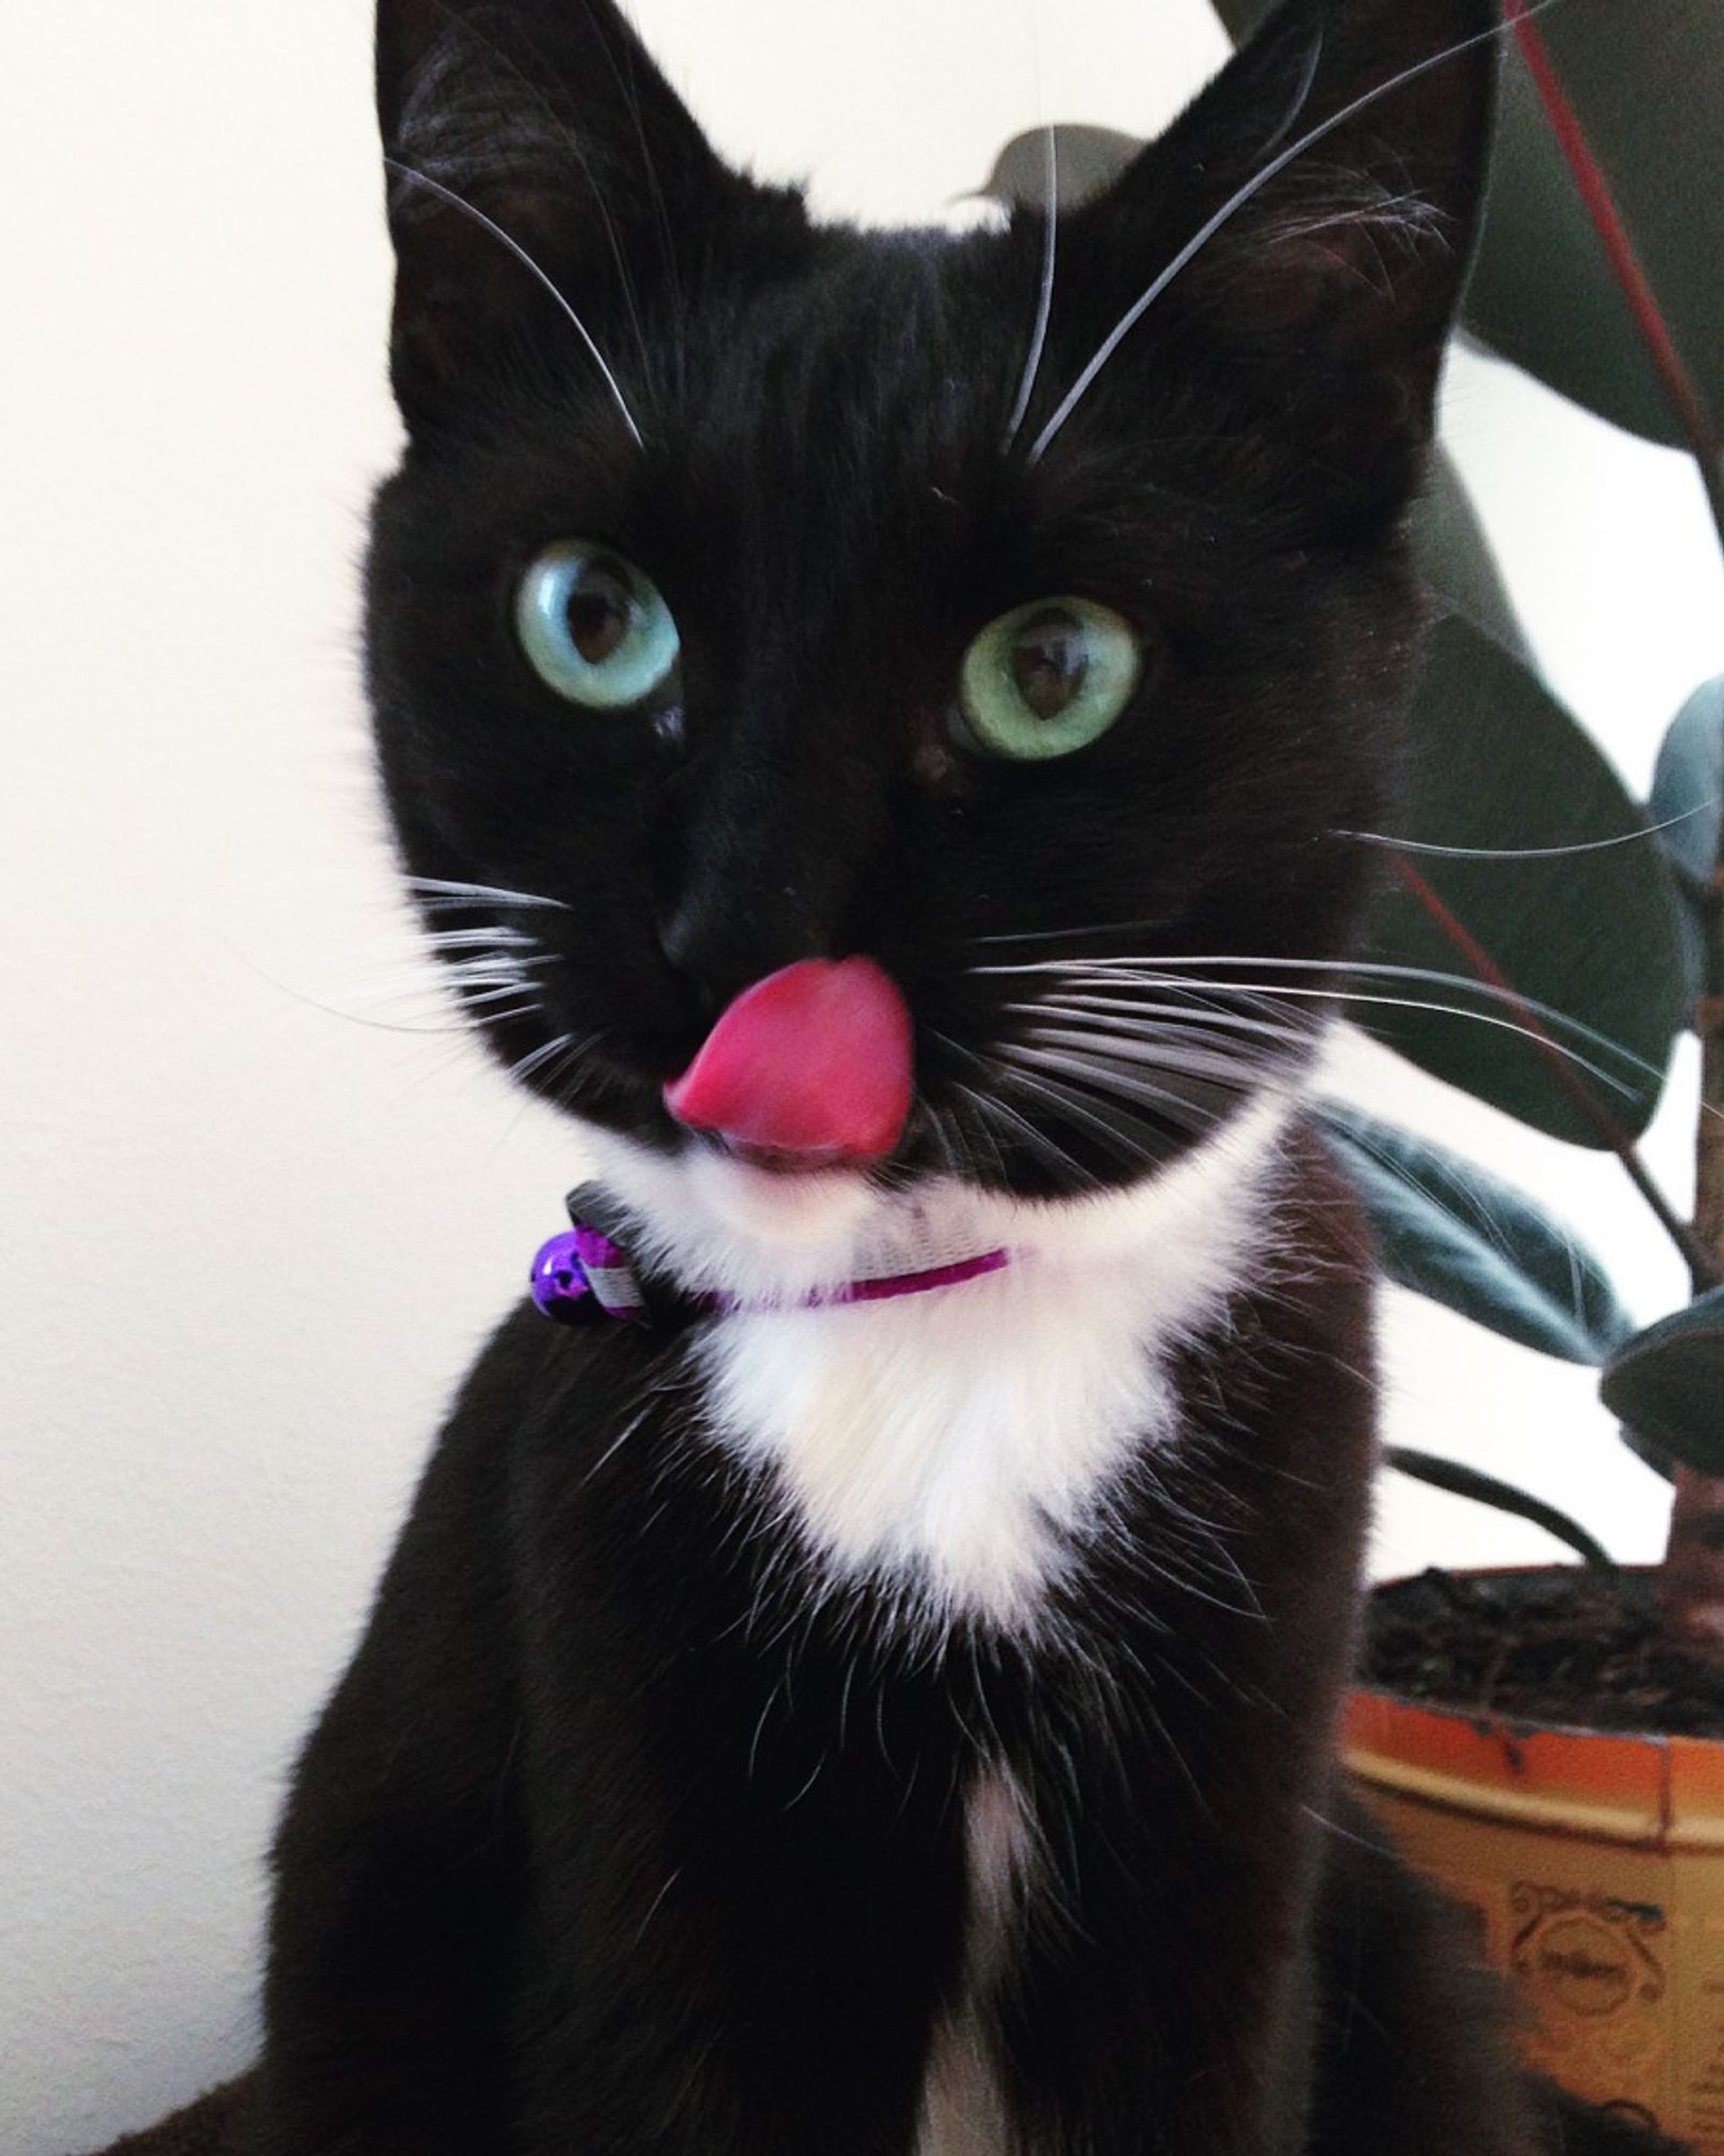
[(1709, 1144), (1461, 1480), (1593, 189), (1703, 1267), (1690, 1588), (1691, 1584)]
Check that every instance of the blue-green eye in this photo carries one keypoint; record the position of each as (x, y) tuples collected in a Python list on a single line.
[(1049, 678), (593, 627)]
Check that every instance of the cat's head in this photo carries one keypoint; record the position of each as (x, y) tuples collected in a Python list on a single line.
[(754, 593)]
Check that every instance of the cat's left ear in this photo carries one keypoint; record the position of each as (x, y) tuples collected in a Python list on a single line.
[(1340, 159), (539, 122)]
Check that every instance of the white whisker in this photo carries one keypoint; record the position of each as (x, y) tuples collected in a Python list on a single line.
[(530, 1009), (1230, 209), (435, 977), (1175, 1058), (1085, 1077), (1098, 927), (1526, 853), (1055, 1154), (443, 891), (948, 1139), (561, 1071), (988, 1108), (1301, 95), (1197, 1017), (1044, 299), (619, 1441), (481, 939), (482, 999), (1073, 1111), (471, 209), (1338, 994), (537, 1058), (1159, 971), (502, 965), (982, 1122)]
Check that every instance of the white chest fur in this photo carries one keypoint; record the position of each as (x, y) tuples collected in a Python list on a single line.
[(950, 1444), (965, 2110), (954, 1442), (945, 1440)]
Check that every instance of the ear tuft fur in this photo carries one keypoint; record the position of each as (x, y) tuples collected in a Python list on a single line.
[(547, 120), (1361, 238), (1338, 239)]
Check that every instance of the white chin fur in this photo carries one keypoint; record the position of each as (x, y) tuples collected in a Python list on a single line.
[(722, 1226), (823, 1210), (719, 1226), (950, 1446)]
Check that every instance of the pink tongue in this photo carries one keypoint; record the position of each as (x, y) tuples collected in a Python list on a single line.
[(815, 1059)]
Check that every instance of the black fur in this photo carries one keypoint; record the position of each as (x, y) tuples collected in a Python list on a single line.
[(825, 503), (616, 1838)]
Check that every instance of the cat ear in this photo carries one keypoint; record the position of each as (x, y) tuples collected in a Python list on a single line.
[(524, 128), (1339, 163)]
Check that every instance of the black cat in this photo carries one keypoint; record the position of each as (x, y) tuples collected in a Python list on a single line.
[(868, 718)]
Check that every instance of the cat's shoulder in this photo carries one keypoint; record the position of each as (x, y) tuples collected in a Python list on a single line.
[(532, 1376)]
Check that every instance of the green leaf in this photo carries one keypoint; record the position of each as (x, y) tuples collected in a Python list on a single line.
[(1086, 160), (1689, 784), (1688, 798), (1589, 938), (1457, 562), (1669, 1383), (1644, 1450), (1543, 293), (1449, 1229)]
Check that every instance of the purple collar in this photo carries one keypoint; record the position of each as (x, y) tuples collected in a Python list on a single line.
[(584, 1273)]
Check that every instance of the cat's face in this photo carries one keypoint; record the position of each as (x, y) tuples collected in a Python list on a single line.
[(806, 617)]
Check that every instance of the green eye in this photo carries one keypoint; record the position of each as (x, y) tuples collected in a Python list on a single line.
[(1049, 678), (593, 627)]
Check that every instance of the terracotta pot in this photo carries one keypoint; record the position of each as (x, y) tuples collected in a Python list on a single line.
[(1594, 1862)]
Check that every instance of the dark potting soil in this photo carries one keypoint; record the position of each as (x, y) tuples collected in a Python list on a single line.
[(1572, 1646)]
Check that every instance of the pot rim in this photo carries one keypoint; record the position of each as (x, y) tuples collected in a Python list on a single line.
[(1653, 1789)]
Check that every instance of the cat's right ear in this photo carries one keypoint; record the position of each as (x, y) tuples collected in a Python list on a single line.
[(536, 126), (1311, 216)]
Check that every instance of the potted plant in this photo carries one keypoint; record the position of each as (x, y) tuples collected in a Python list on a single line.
[(1551, 1745)]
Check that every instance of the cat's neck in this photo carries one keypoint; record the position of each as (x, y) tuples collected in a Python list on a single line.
[(744, 1235), (953, 1449)]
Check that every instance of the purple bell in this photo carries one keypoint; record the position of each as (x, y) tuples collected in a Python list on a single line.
[(559, 1279)]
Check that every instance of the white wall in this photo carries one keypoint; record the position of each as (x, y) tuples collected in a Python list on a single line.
[(249, 1237)]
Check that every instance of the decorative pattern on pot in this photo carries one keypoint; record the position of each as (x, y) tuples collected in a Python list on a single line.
[(1593, 1864)]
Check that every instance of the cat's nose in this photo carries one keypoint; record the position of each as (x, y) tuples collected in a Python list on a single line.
[(717, 952), (740, 897), (681, 939), (813, 1064)]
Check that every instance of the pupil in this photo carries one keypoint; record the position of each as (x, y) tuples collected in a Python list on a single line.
[(1050, 661), (600, 610)]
